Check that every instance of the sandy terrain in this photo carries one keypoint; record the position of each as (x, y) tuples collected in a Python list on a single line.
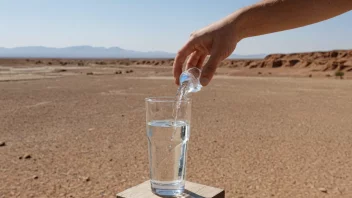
[(69, 134)]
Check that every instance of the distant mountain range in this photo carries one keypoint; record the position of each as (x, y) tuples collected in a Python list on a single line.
[(91, 52)]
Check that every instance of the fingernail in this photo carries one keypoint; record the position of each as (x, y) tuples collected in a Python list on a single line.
[(204, 81)]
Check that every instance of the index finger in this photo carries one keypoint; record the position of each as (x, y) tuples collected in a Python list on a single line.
[(181, 56)]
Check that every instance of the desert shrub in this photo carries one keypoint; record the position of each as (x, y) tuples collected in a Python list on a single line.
[(334, 54), (339, 74)]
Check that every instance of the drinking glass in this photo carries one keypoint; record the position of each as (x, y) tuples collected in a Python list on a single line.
[(168, 132)]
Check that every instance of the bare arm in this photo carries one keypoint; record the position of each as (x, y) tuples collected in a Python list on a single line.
[(219, 39), (270, 16)]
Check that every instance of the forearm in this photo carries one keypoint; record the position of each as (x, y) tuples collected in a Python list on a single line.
[(270, 16)]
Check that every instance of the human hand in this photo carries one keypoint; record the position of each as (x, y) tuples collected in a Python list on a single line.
[(218, 40)]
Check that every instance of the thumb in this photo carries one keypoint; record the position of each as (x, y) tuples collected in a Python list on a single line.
[(209, 69)]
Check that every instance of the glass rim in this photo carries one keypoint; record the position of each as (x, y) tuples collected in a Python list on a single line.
[(165, 99)]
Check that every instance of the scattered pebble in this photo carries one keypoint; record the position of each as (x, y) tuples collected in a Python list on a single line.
[(110, 160), (35, 177), (89, 73), (123, 115), (87, 179), (2, 144), (323, 190), (27, 156), (310, 75)]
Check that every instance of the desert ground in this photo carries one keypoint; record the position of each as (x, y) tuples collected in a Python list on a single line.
[(69, 130)]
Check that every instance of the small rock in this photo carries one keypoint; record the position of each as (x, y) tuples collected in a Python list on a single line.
[(122, 115), (27, 156), (323, 190), (110, 160), (20, 157), (310, 75), (2, 144), (87, 179), (35, 177), (259, 73), (131, 71), (89, 73)]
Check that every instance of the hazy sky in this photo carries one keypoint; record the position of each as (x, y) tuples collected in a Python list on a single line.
[(148, 25)]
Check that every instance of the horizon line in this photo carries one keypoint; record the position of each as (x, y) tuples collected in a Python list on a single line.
[(92, 46)]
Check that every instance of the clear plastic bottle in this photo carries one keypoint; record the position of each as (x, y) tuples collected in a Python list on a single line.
[(191, 77)]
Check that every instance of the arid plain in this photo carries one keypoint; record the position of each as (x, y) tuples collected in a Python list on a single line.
[(76, 128)]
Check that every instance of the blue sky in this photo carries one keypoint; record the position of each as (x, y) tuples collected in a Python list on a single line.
[(147, 25)]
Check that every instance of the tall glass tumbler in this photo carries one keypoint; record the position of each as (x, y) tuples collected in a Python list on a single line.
[(167, 143)]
